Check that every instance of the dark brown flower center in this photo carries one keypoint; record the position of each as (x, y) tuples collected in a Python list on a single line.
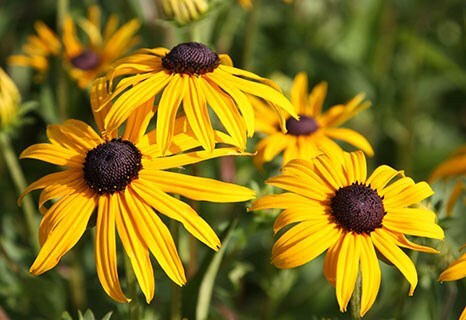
[(191, 58), (86, 60), (304, 126), (112, 165), (358, 208)]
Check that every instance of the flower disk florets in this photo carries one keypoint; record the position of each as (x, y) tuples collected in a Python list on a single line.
[(303, 126), (86, 60), (112, 165), (191, 58), (358, 208)]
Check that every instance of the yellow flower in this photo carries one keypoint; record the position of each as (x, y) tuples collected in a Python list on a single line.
[(456, 270), (192, 74), (88, 60), (184, 11), (314, 132), (127, 179), (9, 100), (38, 49), (332, 205), (454, 167)]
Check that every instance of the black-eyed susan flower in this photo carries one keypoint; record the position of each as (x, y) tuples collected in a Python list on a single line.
[(86, 60), (332, 205), (453, 168), (193, 75), (125, 181), (184, 11), (455, 271), (9, 100), (314, 132), (38, 49)]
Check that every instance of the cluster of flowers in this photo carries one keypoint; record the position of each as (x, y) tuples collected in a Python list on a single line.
[(121, 173)]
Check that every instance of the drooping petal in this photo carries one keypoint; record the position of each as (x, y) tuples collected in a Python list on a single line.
[(156, 236), (105, 250), (241, 100), (195, 108), (197, 188), (402, 241), (168, 108), (177, 210), (226, 112), (65, 233), (347, 268), (303, 242), (135, 248), (370, 272), (388, 248)]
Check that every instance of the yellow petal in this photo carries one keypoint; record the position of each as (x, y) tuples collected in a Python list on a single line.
[(54, 154), (413, 221), (403, 242), (177, 210), (456, 270), (63, 231), (330, 261), (197, 188), (105, 250), (180, 160), (352, 137), (299, 214), (195, 108), (135, 248), (330, 171), (347, 268), (263, 91), (299, 93), (226, 112), (62, 188), (304, 242), (355, 167), (370, 273), (167, 110), (316, 99), (138, 122), (75, 135), (156, 236), (388, 248), (451, 167), (133, 98), (403, 195), (272, 145), (280, 201), (240, 99), (381, 176), (63, 177), (297, 185)]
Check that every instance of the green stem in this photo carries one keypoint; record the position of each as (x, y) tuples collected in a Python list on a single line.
[(62, 85), (356, 299), (176, 290), (132, 289), (250, 37), (20, 183)]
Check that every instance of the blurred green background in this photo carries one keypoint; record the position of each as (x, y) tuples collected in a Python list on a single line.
[(407, 56)]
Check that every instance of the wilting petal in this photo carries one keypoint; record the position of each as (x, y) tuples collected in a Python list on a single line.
[(105, 250)]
